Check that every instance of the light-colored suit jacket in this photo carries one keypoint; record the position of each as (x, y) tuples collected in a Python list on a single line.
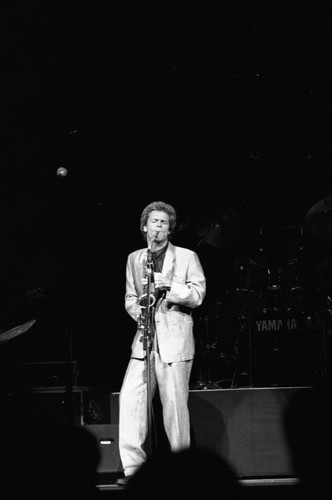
[(173, 311)]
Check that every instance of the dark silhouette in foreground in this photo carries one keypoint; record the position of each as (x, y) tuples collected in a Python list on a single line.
[(190, 473), (58, 462), (307, 421)]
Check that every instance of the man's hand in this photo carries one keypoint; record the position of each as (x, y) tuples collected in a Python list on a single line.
[(161, 282)]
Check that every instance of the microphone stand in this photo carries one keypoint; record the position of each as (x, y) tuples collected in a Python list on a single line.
[(147, 344)]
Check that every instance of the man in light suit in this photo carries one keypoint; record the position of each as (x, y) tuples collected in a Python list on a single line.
[(173, 278)]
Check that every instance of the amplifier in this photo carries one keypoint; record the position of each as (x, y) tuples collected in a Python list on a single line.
[(48, 373), (55, 405)]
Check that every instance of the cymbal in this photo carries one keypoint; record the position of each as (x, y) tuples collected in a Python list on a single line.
[(17, 330), (318, 219)]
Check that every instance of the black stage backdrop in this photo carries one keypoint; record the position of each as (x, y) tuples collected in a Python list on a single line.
[(218, 108)]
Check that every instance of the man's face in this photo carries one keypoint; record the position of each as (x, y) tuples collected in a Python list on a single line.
[(157, 226)]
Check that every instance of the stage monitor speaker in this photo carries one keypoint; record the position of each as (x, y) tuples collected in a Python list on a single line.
[(107, 436), (244, 425)]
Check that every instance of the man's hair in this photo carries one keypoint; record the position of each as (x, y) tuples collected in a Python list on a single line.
[(160, 206)]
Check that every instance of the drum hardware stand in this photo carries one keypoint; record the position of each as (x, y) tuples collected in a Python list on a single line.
[(201, 384), (326, 313), (232, 381), (248, 320), (250, 353), (226, 356)]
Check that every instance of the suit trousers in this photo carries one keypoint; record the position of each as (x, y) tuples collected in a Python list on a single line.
[(172, 380)]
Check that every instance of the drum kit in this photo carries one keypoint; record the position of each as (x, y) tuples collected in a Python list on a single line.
[(258, 294), (278, 289)]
